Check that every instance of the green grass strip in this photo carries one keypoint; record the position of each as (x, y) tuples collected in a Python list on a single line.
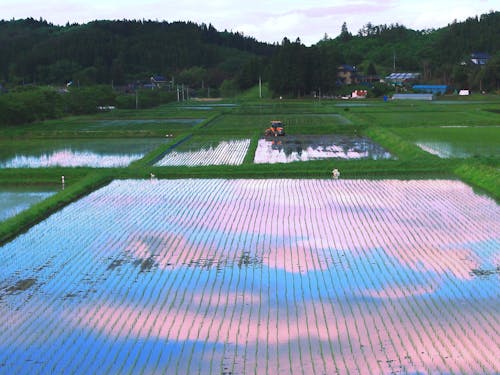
[(483, 176)]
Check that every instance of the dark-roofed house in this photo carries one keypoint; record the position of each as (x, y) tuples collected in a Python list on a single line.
[(158, 81), (479, 58), (347, 75)]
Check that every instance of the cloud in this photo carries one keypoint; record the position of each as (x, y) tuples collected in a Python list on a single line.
[(264, 21)]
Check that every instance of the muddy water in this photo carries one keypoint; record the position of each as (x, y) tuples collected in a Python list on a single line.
[(257, 276), (303, 148)]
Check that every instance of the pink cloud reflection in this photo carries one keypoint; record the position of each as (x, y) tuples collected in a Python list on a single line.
[(362, 336)]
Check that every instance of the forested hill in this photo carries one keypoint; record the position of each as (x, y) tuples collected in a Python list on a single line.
[(413, 50), (121, 51)]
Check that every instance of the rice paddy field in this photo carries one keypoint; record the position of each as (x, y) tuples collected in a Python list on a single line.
[(15, 199), (196, 259), (90, 152), (214, 276), (456, 141), (305, 148), (200, 151)]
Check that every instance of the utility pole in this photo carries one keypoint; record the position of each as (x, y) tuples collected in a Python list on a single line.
[(393, 60), (136, 99), (260, 87), (178, 94)]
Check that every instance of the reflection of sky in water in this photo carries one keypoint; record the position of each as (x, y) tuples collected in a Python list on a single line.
[(74, 153), (224, 153), (68, 158), (13, 202), (443, 149), (289, 149), (247, 276), (458, 149)]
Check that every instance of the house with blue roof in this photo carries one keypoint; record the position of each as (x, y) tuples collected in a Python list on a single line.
[(431, 89)]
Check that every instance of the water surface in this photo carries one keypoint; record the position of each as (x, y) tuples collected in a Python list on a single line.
[(14, 200), (197, 151), (257, 276), (75, 152), (288, 149)]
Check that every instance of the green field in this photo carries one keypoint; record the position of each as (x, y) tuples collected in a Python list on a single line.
[(396, 126)]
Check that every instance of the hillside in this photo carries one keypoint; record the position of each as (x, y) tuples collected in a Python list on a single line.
[(121, 52)]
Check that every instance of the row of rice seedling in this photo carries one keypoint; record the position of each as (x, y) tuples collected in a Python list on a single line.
[(230, 152), (256, 276)]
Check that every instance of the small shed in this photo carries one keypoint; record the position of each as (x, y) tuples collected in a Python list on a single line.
[(359, 94), (413, 97)]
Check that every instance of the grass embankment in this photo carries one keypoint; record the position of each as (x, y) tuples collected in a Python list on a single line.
[(482, 176), (42, 176), (73, 191)]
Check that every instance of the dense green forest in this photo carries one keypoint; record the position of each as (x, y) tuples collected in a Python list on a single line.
[(120, 53)]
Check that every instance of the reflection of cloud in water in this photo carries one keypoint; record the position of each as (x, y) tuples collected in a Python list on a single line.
[(225, 153), (355, 276), (294, 148), (14, 202), (68, 158)]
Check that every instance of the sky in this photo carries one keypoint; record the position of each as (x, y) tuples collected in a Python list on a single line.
[(268, 21)]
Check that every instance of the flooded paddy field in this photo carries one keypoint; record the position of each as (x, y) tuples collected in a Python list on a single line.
[(171, 124), (99, 153), (294, 124), (200, 151), (304, 148), (456, 141), (14, 199), (257, 276)]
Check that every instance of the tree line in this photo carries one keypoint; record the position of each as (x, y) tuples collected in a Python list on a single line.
[(37, 103), (123, 52)]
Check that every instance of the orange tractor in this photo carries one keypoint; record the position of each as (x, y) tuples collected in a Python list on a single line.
[(276, 129)]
